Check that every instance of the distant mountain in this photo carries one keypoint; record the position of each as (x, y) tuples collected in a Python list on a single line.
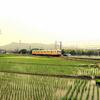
[(18, 46), (14, 46)]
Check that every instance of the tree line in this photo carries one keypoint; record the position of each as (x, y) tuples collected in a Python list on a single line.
[(88, 52)]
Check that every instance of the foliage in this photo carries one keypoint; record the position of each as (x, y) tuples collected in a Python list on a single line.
[(87, 52), (23, 51)]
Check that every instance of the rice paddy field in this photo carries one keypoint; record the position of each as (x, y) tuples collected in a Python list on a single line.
[(21, 86), (28, 87), (48, 65)]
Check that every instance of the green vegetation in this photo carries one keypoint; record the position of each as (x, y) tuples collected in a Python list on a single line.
[(14, 86), (47, 65), (31, 87), (98, 80), (88, 52)]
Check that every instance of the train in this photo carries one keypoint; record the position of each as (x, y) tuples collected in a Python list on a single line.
[(47, 52)]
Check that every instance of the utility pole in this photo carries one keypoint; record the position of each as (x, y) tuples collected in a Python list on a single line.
[(58, 44), (19, 45), (30, 47)]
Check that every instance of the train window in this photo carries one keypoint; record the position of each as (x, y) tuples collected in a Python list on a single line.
[(58, 52)]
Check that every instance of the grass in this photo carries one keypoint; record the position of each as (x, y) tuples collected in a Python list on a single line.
[(45, 65)]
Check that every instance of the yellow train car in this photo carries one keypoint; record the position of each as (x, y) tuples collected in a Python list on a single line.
[(47, 52)]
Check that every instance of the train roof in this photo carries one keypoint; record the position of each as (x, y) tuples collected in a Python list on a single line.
[(46, 50)]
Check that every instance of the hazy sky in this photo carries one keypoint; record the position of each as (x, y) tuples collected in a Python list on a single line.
[(45, 21)]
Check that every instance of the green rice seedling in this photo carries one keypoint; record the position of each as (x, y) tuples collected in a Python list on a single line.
[(88, 92), (98, 93)]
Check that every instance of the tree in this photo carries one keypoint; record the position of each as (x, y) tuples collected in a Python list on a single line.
[(23, 51), (63, 51), (73, 52)]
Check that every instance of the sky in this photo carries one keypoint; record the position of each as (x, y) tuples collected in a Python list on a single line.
[(47, 21)]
